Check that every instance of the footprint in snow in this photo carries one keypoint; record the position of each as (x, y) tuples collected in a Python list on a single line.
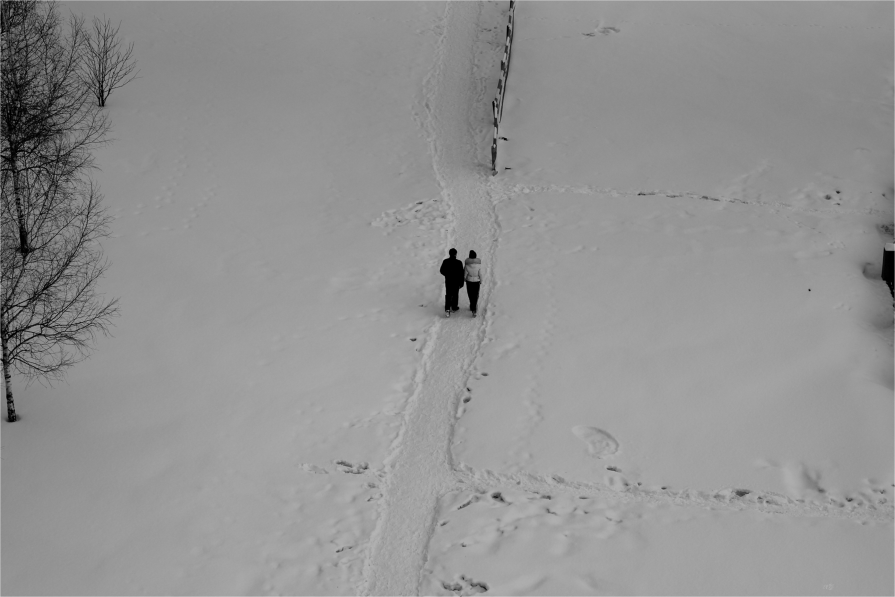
[(465, 586), (354, 469), (599, 443), (602, 31)]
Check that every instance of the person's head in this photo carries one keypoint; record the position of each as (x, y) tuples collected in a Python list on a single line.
[(472, 254), (452, 252)]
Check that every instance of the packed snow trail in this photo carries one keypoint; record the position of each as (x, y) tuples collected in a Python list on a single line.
[(419, 469)]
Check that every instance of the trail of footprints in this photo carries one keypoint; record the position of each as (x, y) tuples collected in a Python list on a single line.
[(520, 453), (209, 191), (527, 502), (827, 201), (170, 193)]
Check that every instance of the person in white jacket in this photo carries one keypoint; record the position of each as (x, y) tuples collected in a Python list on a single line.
[(473, 275)]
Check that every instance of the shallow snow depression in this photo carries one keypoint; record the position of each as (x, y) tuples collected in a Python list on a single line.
[(681, 377)]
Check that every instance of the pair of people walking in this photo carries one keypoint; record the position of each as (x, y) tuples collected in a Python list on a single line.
[(455, 275)]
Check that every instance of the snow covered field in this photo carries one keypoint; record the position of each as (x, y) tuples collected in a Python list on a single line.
[(681, 381)]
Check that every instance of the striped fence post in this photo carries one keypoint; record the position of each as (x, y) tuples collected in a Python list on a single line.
[(494, 140), (497, 104), (512, 33)]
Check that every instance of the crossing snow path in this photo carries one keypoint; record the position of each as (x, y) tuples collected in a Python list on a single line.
[(419, 469)]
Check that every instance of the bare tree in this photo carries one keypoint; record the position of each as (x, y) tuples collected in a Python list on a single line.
[(50, 214), (47, 118), (51, 311), (106, 65)]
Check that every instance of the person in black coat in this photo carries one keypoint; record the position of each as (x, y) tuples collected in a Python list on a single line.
[(452, 270)]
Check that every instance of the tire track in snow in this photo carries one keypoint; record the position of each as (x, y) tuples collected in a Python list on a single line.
[(419, 469)]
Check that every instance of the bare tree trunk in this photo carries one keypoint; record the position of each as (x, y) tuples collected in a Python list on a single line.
[(7, 382), (16, 190), (24, 249)]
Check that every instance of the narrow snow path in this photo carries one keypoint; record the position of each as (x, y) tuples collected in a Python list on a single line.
[(419, 469)]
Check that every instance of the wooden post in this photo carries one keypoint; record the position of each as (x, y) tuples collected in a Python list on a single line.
[(887, 273)]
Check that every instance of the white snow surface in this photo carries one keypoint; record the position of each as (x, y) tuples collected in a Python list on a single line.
[(681, 377)]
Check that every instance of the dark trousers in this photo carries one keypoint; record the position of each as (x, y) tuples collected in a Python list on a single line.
[(451, 297), (472, 289)]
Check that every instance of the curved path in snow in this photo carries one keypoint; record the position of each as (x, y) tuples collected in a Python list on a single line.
[(419, 468)]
